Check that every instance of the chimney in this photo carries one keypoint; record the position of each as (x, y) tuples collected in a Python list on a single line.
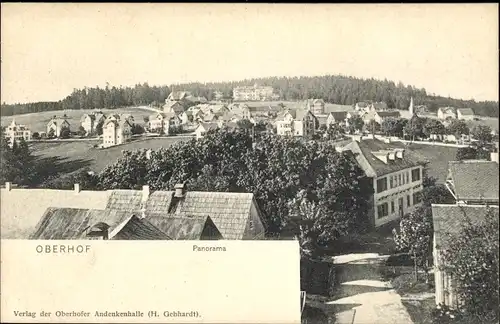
[(8, 186), (145, 193), (400, 153), (180, 190), (494, 156), (76, 187)]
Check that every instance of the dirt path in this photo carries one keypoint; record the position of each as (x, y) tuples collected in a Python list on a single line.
[(363, 296)]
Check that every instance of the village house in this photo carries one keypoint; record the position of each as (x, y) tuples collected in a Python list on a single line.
[(473, 181), (15, 132), (203, 128), (173, 107), (369, 106), (465, 114), (90, 121), (379, 116), (397, 175), (449, 220), (447, 113), (316, 106), (186, 228), (56, 125), (336, 118), (116, 131), (253, 93), (161, 122), (296, 122)]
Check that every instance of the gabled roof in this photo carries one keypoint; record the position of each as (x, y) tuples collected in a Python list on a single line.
[(184, 228), (91, 116), (364, 151), (450, 219), (338, 115), (322, 119), (208, 126), (58, 121), (73, 223), (178, 95), (389, 113), (474, 180), (123, 199), (338, 108), (140, 229), (297, 114), (447, 110), (170, 104), (380, 105), (466, 111)]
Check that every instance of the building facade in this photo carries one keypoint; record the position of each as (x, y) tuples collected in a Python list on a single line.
[(253, 93), (15, 132), (56, 125), (116, 132), (296, 123)]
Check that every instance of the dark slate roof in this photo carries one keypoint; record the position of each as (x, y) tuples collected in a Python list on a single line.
[(380, 105), (389, 113), (322, 119), (449, 219), (129, 200), (339, 115), (373, 166), (334, 108), (140, 229), (475, 180), (184, 228), (73, 223)]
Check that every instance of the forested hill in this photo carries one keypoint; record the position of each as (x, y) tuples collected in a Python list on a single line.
[(335, 89)]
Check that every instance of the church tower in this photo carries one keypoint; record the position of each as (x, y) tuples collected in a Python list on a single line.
[(411, 109)]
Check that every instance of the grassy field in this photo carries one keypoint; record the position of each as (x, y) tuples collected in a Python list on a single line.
[(83, 154), (37, 122)]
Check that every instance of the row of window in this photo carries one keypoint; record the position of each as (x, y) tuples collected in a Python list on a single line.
[(398, 180), (383, 209)]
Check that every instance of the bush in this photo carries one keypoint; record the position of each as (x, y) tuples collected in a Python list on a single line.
[(317, 277)]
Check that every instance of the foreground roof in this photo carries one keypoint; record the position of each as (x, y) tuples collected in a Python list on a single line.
[(474, 180)]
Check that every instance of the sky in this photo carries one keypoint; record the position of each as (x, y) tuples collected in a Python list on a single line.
[(47, 50)]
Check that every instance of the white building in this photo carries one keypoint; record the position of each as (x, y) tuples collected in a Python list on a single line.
[(162, 122), (253, 93), (116, 131), (296, 122), (397, 177), (203, 128), (90, 121), (447, 112), (465, 114), (56, 125), (15, 132)]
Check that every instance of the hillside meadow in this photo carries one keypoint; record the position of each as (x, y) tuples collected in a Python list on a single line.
[(37, 122)]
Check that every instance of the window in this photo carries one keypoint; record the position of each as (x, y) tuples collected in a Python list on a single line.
[(415, 175), (251, 225), (417, 198), (408, 201), (392, 207), (382, 210), (399, 180), (381, 185), (391, 182), (407, 177)]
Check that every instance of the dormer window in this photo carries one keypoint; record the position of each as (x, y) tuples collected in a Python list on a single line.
[(98, 232)]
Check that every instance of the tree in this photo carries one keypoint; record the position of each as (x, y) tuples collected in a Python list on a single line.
[(99, 127), (146, 119), (335, 131), (458, 128), (482, 133), (137, 129), (471, 258), (17, 164), (81, 131), (393, 126), (373, 126), (356, 123), (414, 128), (433, 127), (65, 133), (36, 135), (466, 153)]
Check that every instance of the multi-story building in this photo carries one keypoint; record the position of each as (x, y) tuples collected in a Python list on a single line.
[(161, 122), (116, 131), (253, 93), (90, 121), (316, 106), (446, 113), (56, 125), (397, 175), (296, 122), (15, 132)]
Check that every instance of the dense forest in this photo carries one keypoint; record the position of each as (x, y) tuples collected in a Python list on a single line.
[(334, 89)]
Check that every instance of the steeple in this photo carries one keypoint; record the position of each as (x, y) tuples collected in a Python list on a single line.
[(411, 107)]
